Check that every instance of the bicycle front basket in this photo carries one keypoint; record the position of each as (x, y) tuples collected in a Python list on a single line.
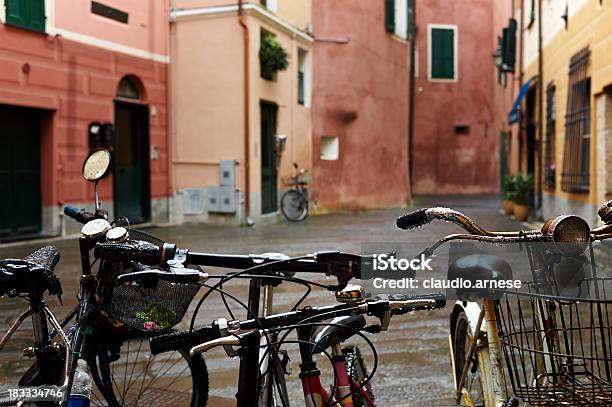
[(149, 306), (557, 350)]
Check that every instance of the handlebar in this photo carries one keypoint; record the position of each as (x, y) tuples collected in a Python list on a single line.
[(421, 217), (315, 314), (80, 215), (339, 264)]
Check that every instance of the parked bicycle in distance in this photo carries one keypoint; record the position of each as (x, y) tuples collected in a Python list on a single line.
[(294, 202)]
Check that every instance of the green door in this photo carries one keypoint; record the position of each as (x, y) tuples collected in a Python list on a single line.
[(268, 158), (20, 201), (131, 162)]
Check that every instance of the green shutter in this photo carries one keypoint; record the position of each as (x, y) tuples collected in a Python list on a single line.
[(390, 15), (14, 12), (37, 15), (28, 14), (442, 53), (410, 21), (509, 46)]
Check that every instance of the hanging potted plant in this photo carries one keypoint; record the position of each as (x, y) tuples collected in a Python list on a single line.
[(523, 184), (272, 56), (509, 191)]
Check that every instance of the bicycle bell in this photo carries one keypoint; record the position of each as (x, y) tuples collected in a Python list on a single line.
[(352, 293)]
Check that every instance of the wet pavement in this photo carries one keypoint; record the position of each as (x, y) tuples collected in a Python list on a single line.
[(413, 360)]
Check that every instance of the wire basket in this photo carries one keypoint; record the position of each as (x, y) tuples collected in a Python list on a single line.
[(558, 350), (148, 306)]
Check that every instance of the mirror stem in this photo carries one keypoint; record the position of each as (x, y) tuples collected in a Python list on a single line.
[(97, 196)]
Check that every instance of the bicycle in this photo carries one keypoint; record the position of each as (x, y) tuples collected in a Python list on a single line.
[(553, 338), (294, 202), (247, 336), (111, 325)]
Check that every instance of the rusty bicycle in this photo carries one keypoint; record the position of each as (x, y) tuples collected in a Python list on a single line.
[(547, 343)]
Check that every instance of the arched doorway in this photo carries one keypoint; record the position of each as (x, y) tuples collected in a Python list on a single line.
[(131, 151)]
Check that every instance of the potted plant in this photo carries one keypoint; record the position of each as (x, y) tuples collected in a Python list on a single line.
[(523, 184), (509, 191), (272, 56)]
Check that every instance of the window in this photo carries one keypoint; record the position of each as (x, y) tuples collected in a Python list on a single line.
[(576, 151), (303, 78), (549, 139), (399, 18), (29, 14), (442, 48), (330, 148), (271, 5)]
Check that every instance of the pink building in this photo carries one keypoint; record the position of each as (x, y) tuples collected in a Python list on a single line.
[(455, 145), (360, 103), (64, 65)]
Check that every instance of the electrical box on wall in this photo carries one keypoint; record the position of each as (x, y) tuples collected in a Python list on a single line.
[(227, 173), (221, 199)]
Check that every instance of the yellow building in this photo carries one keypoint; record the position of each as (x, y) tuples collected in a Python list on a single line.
[(569, 86)]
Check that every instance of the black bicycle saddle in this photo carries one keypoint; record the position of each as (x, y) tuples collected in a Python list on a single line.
[(32, 274)]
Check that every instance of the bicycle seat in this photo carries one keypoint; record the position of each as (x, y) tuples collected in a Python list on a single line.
[(32, 274), (342, 329), (478, 267)]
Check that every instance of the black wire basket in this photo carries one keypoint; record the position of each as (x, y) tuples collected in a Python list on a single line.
[(558, 349), (148, 306)]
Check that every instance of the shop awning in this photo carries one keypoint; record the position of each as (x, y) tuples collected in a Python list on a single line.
[(514, 115)]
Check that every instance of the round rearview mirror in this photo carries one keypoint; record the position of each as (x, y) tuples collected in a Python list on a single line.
[(96, 165)]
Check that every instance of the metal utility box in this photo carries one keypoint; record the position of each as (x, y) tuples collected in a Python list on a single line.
[(193, 201), (227, 173), (222, 199), (212, 203)]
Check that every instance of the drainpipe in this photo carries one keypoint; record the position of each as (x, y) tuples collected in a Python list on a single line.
[(411, 97), (540, 106), (519, 126), (247, 141)]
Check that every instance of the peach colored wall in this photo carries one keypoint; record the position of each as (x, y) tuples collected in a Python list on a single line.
[(207, 88), (208, 94), (147, 28)]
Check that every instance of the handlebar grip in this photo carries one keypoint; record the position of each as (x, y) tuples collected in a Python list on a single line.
[(413, 220), (80, 215), (182, 340), (142, 252)]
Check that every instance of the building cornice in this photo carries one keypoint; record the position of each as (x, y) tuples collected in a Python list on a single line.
[(252, 9)]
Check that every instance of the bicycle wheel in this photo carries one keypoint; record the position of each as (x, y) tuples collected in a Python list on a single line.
[(294, 206), (355, 366), (461, 344), (129, 376)]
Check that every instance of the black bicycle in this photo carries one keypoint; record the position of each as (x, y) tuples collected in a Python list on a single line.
[(294, 201), (111, 326)]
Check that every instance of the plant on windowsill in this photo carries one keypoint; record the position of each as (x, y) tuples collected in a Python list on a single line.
[(272, 57), (509, 191), (523, 186)]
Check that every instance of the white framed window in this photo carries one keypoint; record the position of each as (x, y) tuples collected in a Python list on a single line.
[(329, 148), (442, 53), (271, 5), (399, 18), (303, 78)]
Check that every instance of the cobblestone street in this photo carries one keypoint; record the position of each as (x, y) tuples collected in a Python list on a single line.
[(413, 355)]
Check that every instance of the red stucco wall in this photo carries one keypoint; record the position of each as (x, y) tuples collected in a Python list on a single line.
[(360, 94), (75, 84), (445, 162)]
